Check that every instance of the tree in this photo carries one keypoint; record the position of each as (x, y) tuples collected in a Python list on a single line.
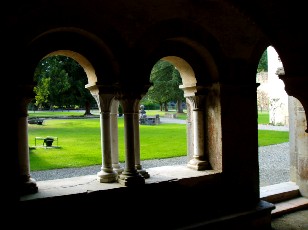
[(61, 82), (262, 66), (262, 100), (78, 94), (52, 82), (166, 80)]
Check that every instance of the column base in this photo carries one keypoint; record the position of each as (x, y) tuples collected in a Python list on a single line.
[(117, 168), (107, 177), (28, 186), (131, 179), (144, 173), (198, 165)]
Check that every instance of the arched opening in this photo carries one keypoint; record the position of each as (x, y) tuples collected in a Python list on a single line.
[(60, 95), (280, 163), (203, 128), (202, 93), (273, 123)]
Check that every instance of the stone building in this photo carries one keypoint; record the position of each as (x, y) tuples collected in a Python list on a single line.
[(278, 97), (216, 46)]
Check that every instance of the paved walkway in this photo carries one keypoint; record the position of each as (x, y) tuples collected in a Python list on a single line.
[(263, 127)]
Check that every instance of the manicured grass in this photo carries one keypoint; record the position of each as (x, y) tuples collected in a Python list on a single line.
[(263, 118), (79, 141), (270, 137)]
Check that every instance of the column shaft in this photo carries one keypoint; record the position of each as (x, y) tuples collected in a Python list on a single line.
[(200, 159), (106, 142), (107, 174), (114, 136), (27, 184), (137, 147), (198, 134), (130, 176)]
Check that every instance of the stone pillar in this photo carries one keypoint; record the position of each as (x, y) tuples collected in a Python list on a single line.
[(26, 183), (200, 155), (107, 174), (130, 176), (138, 165), (190, 132), (114, 137), (298, 146), (297, 87), (293, 104)]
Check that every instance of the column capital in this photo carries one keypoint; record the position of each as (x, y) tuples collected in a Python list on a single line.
[(23, 98), (297, 87), (104, 102), (129, 101), (103, 94), (194, 90), (197, 102)]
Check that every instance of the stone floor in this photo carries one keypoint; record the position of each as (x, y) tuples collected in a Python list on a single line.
[(293, 221)]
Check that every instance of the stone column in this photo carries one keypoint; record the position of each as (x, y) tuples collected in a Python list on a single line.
[(189, 132), (138, 165), (114, 136), (107, 174), (298, 146), (130, 176), (297, 87), (200, 154), (26, 183)]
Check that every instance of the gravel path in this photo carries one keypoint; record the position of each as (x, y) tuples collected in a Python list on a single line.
[(274, 162)]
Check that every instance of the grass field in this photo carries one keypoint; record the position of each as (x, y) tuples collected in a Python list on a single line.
[(79, 141)]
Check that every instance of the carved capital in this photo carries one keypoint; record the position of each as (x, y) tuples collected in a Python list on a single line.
[(23, 98), (104, 95), (297, 87), (197, 102)]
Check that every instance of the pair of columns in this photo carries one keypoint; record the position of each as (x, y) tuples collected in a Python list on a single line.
[(132, 174)]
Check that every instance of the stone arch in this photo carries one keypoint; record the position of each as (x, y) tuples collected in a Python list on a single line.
[(88, 50), (93, 54), (204, 120), (181, 38), (87, 66)]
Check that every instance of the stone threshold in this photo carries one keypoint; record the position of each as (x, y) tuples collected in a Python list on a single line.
[(285, 196)]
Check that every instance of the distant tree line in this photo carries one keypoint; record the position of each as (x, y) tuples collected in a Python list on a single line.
[(61, 84)]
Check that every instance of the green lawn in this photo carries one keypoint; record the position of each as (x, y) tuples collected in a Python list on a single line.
[(263, 118), (79, 141)]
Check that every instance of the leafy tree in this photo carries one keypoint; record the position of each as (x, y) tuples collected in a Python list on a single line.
[(61, 82), (166, 80), (52, 82), (263, 63), (78, 94)]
